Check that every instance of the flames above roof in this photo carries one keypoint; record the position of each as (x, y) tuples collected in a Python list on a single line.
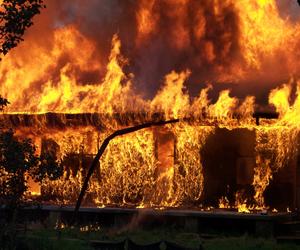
[(167, 57)]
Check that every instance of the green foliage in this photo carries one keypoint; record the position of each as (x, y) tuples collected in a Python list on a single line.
[(15, 17), (48, 167), (18, 160)]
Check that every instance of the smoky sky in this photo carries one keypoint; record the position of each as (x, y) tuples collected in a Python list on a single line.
[(158, 55), (289, 9)]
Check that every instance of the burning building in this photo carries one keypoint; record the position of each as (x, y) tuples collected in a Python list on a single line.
[(224, 151)]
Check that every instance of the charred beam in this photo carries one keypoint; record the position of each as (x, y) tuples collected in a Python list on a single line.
[(265, 115)]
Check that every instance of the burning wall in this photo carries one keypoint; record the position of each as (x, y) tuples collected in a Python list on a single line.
[(194, 163)]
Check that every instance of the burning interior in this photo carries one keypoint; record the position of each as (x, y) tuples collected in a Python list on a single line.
[(225, 152)]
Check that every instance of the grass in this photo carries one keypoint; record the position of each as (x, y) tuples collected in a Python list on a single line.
[(32, 243), (246, 243), (76, 239)]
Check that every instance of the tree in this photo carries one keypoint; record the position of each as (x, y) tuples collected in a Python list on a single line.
[(3, 103), (17, 158), (15, 17), (18, 161)]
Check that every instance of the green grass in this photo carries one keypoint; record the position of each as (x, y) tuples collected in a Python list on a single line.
[(74, 239), (33, 243), (246, 243)]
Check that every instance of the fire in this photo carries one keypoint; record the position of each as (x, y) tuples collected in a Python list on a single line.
[(224, 202), (164, 167), (224, 107), (264, 32), (279, 97), (171, 99), (68, 95), (146, 19), (262, 177)]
